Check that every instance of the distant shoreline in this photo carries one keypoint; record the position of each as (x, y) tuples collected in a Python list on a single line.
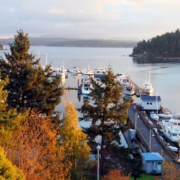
[(65, 42)]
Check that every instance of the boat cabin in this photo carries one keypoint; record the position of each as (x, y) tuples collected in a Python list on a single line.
[(151, 103)]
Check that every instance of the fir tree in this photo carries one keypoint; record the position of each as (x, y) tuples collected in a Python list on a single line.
[(30, 86), (107, 114)]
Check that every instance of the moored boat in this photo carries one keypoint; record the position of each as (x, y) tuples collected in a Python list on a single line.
[(100, 72), (75, 70), (171, 129), (86, 86), (154, 116), (87, 71), (165, 115)]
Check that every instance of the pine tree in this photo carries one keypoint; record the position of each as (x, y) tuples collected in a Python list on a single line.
[(107, 114), (30, 86)]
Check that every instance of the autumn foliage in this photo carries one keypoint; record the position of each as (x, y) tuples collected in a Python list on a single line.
[(115, 175), (37, 153), (170, 172)]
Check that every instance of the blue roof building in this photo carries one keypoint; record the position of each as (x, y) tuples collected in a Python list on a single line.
[(152, 162), (151, 102)]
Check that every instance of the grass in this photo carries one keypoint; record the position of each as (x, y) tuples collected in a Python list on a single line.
[(144, 177)]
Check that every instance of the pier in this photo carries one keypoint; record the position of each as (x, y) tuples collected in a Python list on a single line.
[(149, 134)]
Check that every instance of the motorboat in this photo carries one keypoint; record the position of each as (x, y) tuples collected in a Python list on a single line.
[(86, 86), (100, 72), (125, 81), (171, 129), (75, 70), (129, 89), (86, 98), (118, 77), (62, 71), (165, 115), (154, 116), (87, 71)]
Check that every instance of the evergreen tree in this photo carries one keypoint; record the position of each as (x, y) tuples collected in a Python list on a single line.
[(166, 45), (30, 86), (107, 114)]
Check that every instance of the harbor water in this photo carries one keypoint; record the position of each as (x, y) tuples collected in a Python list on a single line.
[(164, 75)]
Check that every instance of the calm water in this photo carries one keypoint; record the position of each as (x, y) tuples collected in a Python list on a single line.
[(164, 75)]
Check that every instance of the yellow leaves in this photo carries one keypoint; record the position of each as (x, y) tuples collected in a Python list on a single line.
[(9, 171), (72, 136)]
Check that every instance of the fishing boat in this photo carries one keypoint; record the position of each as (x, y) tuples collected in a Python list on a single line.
[(147, 86)]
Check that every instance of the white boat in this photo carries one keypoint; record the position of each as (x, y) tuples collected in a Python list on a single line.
[(87, 71), (62, 71), (118, 77), (125, 81), (147, 86), (154, 116), (171, 129), (100, 72), (129, 89), (75, 70), (86, 86), (165, 115)]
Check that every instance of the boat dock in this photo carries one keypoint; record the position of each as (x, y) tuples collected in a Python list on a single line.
[(149, 134), (147, 131)]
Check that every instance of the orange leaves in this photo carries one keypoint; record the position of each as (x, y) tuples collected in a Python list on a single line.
[(115, 175)]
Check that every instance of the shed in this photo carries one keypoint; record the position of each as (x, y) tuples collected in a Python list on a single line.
[(152, 162), (151, 102)]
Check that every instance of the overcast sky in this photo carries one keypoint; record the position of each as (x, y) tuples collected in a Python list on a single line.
[(117, 19)]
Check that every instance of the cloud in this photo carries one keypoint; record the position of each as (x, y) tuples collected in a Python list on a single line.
[(56, 11), (11, 9), (90, 18)]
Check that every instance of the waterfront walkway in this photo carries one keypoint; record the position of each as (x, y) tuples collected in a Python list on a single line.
[(149, 137)]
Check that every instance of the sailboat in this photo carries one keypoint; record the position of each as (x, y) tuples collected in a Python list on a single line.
[(62, 71)]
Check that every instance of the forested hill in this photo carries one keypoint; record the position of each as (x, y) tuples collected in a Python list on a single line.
[(67, 42), (166, 45)]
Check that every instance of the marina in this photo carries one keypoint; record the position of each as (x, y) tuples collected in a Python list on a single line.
[(148, 130), (163, 78)]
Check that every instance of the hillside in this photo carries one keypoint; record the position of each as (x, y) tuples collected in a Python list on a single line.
[(65, 42), (164, 46)]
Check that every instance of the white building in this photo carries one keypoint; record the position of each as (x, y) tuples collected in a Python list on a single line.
[(151, 102)]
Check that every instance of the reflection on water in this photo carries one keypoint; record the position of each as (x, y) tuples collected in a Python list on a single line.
[(146, 60)]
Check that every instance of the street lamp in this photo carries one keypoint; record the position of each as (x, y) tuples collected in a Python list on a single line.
[(98, 148)]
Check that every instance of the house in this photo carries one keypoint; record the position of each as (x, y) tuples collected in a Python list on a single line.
[(152, 162), (151, 102)]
